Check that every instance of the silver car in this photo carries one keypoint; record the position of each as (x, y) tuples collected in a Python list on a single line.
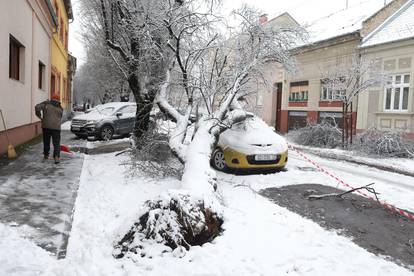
[(105, 121)]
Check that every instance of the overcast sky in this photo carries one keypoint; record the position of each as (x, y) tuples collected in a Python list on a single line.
[(304, 11)]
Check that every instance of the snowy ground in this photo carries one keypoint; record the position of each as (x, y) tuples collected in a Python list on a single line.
[(402, 164), (260, 238)]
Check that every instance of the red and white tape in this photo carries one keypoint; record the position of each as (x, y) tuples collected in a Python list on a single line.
[(321, 169)]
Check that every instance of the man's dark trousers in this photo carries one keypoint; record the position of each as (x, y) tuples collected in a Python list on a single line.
[(55, 135)]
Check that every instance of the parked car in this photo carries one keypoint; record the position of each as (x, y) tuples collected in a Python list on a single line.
[(248, 145), (105, 121), (78, 108)]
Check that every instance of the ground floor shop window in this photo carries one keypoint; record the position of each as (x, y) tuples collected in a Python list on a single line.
[(297, 119), (333, 118)]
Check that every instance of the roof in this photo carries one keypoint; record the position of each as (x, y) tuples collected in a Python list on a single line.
[(327, 20), (398, 26), (342, 21)]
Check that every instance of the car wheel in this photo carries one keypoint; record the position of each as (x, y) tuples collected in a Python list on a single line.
[(106, 133), (218, 161)]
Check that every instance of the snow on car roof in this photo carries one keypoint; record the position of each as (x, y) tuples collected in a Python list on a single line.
[(117, 104)]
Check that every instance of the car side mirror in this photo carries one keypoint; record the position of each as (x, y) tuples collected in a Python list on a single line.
[(118, 114)]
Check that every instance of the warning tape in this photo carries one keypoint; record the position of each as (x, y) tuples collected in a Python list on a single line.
[(386, 205)]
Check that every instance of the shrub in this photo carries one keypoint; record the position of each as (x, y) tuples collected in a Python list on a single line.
[(324, 135), (384, 143)]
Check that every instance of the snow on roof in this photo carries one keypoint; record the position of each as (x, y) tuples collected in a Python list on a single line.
[(342, 21), (327, 19), (397, 27)]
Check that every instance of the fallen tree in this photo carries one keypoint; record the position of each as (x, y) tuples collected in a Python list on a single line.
[(208, 74)]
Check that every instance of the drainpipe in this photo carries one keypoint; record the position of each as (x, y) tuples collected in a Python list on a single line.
[(32, 87)]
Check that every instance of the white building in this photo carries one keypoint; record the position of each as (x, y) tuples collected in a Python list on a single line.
[(25, 39)]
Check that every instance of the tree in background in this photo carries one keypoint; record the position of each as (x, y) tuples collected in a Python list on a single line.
[(345, 81)]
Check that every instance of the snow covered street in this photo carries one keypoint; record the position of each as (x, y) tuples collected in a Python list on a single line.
[(260, 238)]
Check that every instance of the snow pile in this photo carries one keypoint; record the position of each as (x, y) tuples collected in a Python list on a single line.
[(19, 256)]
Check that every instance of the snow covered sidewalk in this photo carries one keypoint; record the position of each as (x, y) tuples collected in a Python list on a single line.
[(37, 197), (260, 238), (398, 165)]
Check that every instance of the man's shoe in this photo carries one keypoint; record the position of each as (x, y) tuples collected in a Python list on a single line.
[(57, 160), (45, 156)]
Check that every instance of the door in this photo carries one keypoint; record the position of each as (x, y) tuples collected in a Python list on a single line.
[(52, 85), (278, 105), (126, 119)]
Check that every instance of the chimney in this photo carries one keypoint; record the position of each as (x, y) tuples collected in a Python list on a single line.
[(263, 18)]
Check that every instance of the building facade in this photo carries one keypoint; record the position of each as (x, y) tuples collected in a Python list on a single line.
[(26, 30), (293, 100), (391, 106), (60, 75)]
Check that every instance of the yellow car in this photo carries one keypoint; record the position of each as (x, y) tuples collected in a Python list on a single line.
[(250, 145)]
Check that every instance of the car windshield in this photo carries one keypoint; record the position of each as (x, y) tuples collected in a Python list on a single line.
[(104, 110)]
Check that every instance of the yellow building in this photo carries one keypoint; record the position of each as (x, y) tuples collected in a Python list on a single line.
[(61, 73)]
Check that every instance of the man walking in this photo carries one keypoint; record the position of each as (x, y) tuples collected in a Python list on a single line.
[(50, 112)]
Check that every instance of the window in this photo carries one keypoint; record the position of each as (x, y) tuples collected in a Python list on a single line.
[(42, 69), (53, 84), (61, 31), (15, 58), (64, 90), (333, 118), (66, 39), (329, 94), (58, 91), (299, 91), (396, 93), (128, 109)]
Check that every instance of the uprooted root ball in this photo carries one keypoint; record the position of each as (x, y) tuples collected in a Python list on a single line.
[(174, 223)]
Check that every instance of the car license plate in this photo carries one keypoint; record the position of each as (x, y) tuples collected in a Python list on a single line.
[(75, 128), (265, 157)]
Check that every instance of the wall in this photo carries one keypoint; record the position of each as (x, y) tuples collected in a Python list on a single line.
[(311, 67), (17, 98), (371, 111), (60, 53)]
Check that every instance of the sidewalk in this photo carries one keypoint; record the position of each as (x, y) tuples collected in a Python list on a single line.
[(403, 166), (38, 196)]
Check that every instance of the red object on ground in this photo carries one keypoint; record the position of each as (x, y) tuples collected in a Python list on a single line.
[(65, 149)]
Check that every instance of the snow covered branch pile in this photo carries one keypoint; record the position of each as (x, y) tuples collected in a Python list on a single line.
[(176, 222), (323, 135), (384, 143)]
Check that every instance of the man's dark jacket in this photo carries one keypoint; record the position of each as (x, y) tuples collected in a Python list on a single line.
[(50, 112)]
